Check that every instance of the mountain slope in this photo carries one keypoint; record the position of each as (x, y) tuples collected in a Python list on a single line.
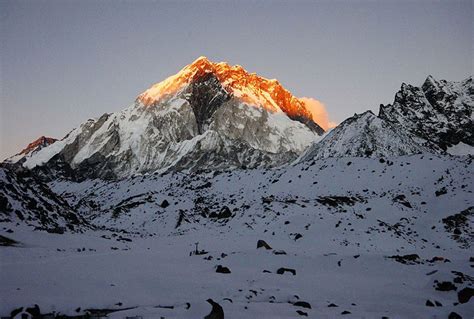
[(438, 111), (208, 116), (365, 135), (25, 200), (357, 219)]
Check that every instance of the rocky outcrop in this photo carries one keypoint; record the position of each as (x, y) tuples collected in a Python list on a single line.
[(438, 111), (24, 199)]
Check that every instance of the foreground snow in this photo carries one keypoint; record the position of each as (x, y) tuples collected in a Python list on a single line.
[(350, 214)]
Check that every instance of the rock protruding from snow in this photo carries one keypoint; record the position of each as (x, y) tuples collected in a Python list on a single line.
[(365, 135), (438, 111)]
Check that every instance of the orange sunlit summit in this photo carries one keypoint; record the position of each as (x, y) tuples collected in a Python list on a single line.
[(248, 87)]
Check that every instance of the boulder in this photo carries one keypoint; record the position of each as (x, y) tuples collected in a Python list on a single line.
[(216, 312), (261, 243), (222, 270), (282, 270), (464, 295)]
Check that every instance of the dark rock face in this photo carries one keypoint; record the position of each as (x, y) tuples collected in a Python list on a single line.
[(205, 97), (439, 111), (459, 225)]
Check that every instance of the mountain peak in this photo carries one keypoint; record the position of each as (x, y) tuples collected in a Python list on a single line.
[(41, 142), (201, 63), (439, 111), (31, 149), (201, 58), (241, 85)]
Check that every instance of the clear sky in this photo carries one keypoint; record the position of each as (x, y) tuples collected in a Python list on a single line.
[(63, 62)]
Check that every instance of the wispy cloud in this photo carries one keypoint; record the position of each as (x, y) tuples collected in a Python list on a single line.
[(319, 112)]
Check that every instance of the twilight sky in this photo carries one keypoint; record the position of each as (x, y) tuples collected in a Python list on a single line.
[(62, 62)]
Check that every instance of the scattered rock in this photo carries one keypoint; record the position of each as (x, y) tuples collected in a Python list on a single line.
[(302, 313), (407, 259), (222, 270), (302, 304), (454, 315), (441, 191), (164, 204), (401, 199), (335, 201), (298, 236), (282, 270), (223, 213)]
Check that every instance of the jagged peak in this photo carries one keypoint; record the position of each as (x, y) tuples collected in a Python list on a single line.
[(367, 113), (202, 58), (430, 78), (430, 82), (39, 142), (248, 87)]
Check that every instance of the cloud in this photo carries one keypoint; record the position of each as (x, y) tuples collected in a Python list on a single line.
[(318, 112)]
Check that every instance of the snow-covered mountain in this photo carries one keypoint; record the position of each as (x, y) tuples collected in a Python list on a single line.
[(366, 135), (172, 242), (434, 118), (438, 111), (207, 116), (31, 149)]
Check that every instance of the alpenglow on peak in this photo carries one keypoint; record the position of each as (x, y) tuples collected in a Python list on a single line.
[(249, 88)]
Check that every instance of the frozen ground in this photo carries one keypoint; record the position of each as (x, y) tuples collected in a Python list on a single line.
[(337, 220)]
